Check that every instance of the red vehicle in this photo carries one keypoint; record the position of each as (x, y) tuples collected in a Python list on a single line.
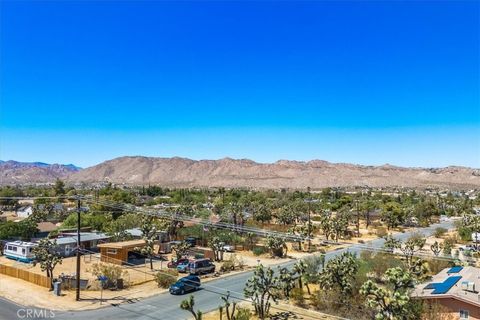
[(175, 263)]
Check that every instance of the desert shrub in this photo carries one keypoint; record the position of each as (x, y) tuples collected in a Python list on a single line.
[(436, 265), (243, 314), (448, 244), (166, 278), (381, 232), (259, 251), (439, 232), (111, 271), (297, 296), (227, 265), (465, 233)]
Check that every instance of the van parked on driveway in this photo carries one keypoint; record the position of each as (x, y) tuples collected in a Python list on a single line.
[(201, 266)]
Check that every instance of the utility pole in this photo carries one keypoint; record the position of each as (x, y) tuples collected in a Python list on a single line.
[(78, 249), (309, 228)]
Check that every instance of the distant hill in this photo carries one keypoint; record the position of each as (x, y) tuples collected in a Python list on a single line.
[(14, 172), (182, 172)]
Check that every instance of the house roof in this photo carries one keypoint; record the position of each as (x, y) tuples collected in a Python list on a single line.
[(123, 244), (135, 232), (24, 208), (84, 236), (450, 283), (46, 226)]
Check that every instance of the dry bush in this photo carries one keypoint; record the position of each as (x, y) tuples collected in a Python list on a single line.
[(166, 278)]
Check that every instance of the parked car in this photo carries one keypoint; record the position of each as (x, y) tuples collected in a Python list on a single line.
[(185, 284), (201, 266), (175, 263), (183, 267), (228, 248), (468, 247), (192, 241)]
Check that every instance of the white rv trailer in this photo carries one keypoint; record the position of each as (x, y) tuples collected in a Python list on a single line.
[(19, 250)]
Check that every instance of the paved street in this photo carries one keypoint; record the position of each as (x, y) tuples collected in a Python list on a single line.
[(165, 306)]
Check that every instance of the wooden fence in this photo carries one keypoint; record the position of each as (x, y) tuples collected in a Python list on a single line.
[(35, 278)]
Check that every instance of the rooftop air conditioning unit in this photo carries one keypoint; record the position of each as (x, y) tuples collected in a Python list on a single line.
[(468, 286)]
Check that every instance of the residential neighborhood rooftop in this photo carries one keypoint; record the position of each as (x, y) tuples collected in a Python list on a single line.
[(84, 236), (461, 283)]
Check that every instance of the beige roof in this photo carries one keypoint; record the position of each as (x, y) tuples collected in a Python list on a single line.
[(468, 274), (123, 244), (46, 226)]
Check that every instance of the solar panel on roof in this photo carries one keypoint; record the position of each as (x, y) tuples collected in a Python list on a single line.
[(446, 285), (456, 269)]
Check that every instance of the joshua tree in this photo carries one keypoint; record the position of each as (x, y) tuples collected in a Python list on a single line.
[(180, 249), (391, 302), (46, 254), (262, 288), (149, 232), (340, 273), (217, 247), (188, 305), (276, 245), (226, 306), (436, 248)]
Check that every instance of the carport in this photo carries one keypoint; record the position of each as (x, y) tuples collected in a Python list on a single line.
[(117, 252)]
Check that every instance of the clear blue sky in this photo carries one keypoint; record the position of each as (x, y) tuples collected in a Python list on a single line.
[(363, 82)]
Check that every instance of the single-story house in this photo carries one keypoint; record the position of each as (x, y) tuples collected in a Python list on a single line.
[(456, 289), (24, 212), (136, 233), (89, 241), (118, 252), (44, 229)]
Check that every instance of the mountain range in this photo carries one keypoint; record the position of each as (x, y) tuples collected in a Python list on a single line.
[(14, 172), (227, 172)]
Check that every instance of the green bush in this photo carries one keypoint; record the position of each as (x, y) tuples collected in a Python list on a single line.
[(259, 251), (111, 271), (439, 232), (243, 314), (227, 265), (297, 296), (166, 278)]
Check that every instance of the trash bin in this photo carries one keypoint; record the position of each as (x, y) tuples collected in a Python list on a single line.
[(57, 288), (120, 284)]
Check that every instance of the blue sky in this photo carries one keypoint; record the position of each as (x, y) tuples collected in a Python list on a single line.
[(363, 82)]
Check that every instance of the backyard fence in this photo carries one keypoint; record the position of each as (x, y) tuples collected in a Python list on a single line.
[(35, 278)]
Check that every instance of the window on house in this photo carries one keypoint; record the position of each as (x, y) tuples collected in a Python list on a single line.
[(464, 314), (111, 251)]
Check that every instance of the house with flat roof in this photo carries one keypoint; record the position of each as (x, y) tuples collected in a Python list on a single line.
[(456, 289), (67, 243)]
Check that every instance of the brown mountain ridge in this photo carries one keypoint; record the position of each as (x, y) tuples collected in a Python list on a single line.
[(227, 172)]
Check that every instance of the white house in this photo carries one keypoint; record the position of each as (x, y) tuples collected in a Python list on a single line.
[(476, 236), (24, 212)]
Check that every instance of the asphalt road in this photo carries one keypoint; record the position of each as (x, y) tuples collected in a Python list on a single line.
[(166, 307)]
